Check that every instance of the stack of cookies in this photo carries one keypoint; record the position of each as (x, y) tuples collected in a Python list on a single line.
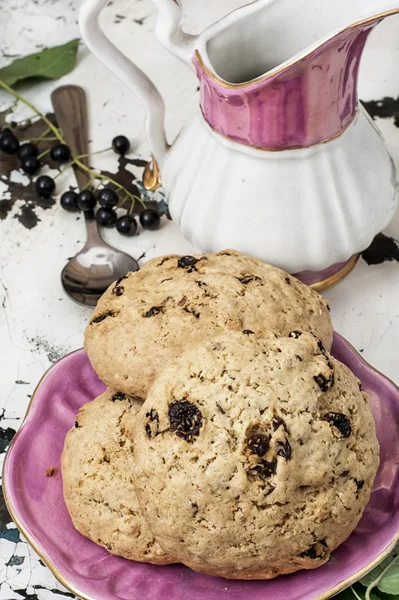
[(229, 439)]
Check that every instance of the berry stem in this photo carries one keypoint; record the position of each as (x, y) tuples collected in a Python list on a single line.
[(354, 592), (91, 153), (44, 153), (122, 202), (64, 169), (134, 197), (375, 583), (102, 177), (87, 185), (131, 209), (49, 124), (38, 139), (43, 135), (10, 109), (76, 159)]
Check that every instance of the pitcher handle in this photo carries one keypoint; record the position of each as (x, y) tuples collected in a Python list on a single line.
[(170, 35)]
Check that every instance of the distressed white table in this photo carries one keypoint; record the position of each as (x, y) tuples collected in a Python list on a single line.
[(38, 324)]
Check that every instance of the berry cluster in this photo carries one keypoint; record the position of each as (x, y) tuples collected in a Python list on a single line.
[(106, 215), (28, 153), (86, 200)]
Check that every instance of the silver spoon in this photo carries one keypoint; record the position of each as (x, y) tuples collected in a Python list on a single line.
[(87, 275)]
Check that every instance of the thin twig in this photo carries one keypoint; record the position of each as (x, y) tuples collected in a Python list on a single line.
[(49, 124)]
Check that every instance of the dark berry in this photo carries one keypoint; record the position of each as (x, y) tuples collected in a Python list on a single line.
[(185, 420), (27, 149), (317, 550), (4, 133), (150, 219), (278, 422), (126, 225), (340, 421), (100, 318), (248, 278), (154, 310), (8, 142), (295, 334), (30, 165), (45, 186), (107, 197), (60, 153), (325, 383), (106, 216), (118, 396), (119, 289), (284, 449), (69, 201), (192, 311), (258, 444), (86, 200), (152, 425), (120, 144), (264, 469), (187, 262)]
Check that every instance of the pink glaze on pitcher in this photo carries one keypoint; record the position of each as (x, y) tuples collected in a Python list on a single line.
[(308, 102)]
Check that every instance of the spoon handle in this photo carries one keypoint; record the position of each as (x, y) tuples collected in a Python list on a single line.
[(69, 102), (70, 107)]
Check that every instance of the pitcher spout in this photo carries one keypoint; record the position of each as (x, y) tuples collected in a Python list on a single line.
[(266, 88)]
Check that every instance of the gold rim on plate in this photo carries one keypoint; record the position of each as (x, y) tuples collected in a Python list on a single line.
[(319, 286), (69, 586)]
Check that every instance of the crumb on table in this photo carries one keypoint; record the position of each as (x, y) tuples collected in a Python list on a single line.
[(50, 472)]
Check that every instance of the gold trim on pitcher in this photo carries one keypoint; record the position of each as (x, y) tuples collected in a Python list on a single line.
[(287, 64), (339, 587), (152, 176)]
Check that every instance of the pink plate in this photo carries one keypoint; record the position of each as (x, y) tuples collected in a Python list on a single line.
[(37, 506)]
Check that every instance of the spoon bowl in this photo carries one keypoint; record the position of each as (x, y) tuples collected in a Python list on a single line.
[(87, 275)]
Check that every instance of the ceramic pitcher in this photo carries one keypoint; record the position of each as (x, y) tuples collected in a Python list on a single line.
[(280, 160)]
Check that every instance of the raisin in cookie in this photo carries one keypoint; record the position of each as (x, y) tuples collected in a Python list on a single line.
[(97, 465), (255, 455), (150, 316)]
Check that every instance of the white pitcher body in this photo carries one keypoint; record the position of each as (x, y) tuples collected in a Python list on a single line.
[(281, 161)]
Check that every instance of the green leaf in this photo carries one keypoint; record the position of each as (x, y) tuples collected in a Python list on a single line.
[(355, 592), (389, 584), (51, 63), (376, 572)]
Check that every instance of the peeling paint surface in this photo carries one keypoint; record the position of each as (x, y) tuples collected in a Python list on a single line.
[(38, 323)]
